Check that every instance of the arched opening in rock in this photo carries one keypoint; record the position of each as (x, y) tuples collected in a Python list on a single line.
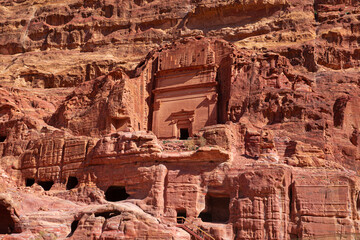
[(358, 203), (116, 193), (73, 227), (46, 185), (29, 182), (71, 183), (184, 133), (180, 214), (2, 138), (7, 224), (216, 208)]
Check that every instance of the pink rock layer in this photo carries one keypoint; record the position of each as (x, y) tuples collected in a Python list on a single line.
[(118, 117)]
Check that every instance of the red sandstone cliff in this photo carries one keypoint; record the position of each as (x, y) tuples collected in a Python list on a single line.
[(94, 96)]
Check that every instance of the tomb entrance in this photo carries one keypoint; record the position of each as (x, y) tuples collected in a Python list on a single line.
[(216, 208)]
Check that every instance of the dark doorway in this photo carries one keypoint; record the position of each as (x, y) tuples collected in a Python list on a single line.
[(358, 203), (184, 133), (7, 224), (74, 225), (72, 183), (180, 215), (29, 182), (46, 185), (216, 208), (116, 193), (2, 138)]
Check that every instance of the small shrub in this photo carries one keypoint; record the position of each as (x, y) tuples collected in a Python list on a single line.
[(201, 141), (190, 145), (195, 144)]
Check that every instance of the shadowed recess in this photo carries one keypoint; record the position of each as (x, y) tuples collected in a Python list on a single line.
[(116, 193), (181, 212), (216, 209), (73, 227), (108, 214), (71, 183), (7, 224), (46, 185), (29, 182)]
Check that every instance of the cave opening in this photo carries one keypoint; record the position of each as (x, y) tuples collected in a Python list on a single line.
[(71, 183), (2, 138), (216, 208), (7, 224), (358, 203), (46, 185), (73, 227), (29, 182), (116, 193), (180, 215)]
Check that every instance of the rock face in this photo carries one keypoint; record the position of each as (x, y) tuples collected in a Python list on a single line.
[(121, 119)]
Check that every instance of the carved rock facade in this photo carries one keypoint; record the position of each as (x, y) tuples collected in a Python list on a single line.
[(92, 147)]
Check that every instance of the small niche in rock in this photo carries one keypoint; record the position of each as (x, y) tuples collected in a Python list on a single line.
[(116, 193), (108, 215), (2, 138), (7, 224), (73, 226), (71, 183), (358, 203), (29, 182), (46, 185)]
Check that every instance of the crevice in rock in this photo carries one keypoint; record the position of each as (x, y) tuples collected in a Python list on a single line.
[(73, 226), (290, 193)]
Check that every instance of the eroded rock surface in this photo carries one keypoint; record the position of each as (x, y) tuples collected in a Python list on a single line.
[(119, 117)]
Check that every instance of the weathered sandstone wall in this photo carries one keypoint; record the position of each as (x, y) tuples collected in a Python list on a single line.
[(89, 143)]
